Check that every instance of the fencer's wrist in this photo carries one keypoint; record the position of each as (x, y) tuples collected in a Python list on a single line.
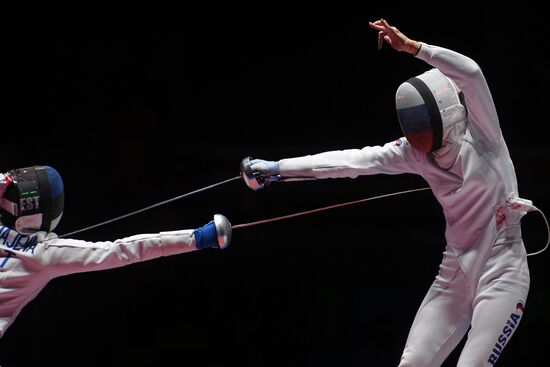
[(268, 168), (274, 167), (206, 236), (274, 171), (412, 46)]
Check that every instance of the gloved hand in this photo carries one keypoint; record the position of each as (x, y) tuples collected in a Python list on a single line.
[(258, 173), (214, 234)]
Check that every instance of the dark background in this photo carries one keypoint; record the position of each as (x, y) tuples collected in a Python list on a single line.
[(135, 110)]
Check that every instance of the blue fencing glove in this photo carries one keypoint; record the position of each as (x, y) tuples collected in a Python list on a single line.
[(214, 234)]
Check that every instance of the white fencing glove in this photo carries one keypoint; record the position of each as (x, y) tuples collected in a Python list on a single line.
[(258, 173)]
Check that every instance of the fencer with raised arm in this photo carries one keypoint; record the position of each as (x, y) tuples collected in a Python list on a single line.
[(452, 138)]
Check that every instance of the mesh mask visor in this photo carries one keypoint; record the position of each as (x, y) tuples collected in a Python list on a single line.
[(35, 198), (421, 124)]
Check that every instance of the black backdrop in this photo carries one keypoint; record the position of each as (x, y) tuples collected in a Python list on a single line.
[(133, 111)]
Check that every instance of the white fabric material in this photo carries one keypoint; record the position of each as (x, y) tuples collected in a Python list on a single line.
[(498, 299), (453, 136), (473, 193), (453, 117), (445, 92), (28, 262)]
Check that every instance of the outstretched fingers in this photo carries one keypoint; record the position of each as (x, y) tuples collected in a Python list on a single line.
[(381, 36), (383, 29), (376, 25), (385, 24)]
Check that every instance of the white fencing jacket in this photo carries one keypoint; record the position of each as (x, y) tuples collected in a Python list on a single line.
[(474, 193), (29, 262)]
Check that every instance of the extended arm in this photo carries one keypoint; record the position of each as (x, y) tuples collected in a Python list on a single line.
[(392, 158), (65, 256)]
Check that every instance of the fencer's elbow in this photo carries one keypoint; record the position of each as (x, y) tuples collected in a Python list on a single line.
[(472, 70)]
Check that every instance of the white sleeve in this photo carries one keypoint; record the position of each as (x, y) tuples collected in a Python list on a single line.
[(392, 158), (467, 74), (65, 256)]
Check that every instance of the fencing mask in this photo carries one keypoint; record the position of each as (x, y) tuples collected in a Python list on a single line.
[(427, 106), (33, 198)]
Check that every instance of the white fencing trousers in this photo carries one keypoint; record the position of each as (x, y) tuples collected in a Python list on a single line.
[(491, 306)]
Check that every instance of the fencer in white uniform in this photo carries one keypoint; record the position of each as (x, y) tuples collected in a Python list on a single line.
[(453, 140), (31, 206)]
